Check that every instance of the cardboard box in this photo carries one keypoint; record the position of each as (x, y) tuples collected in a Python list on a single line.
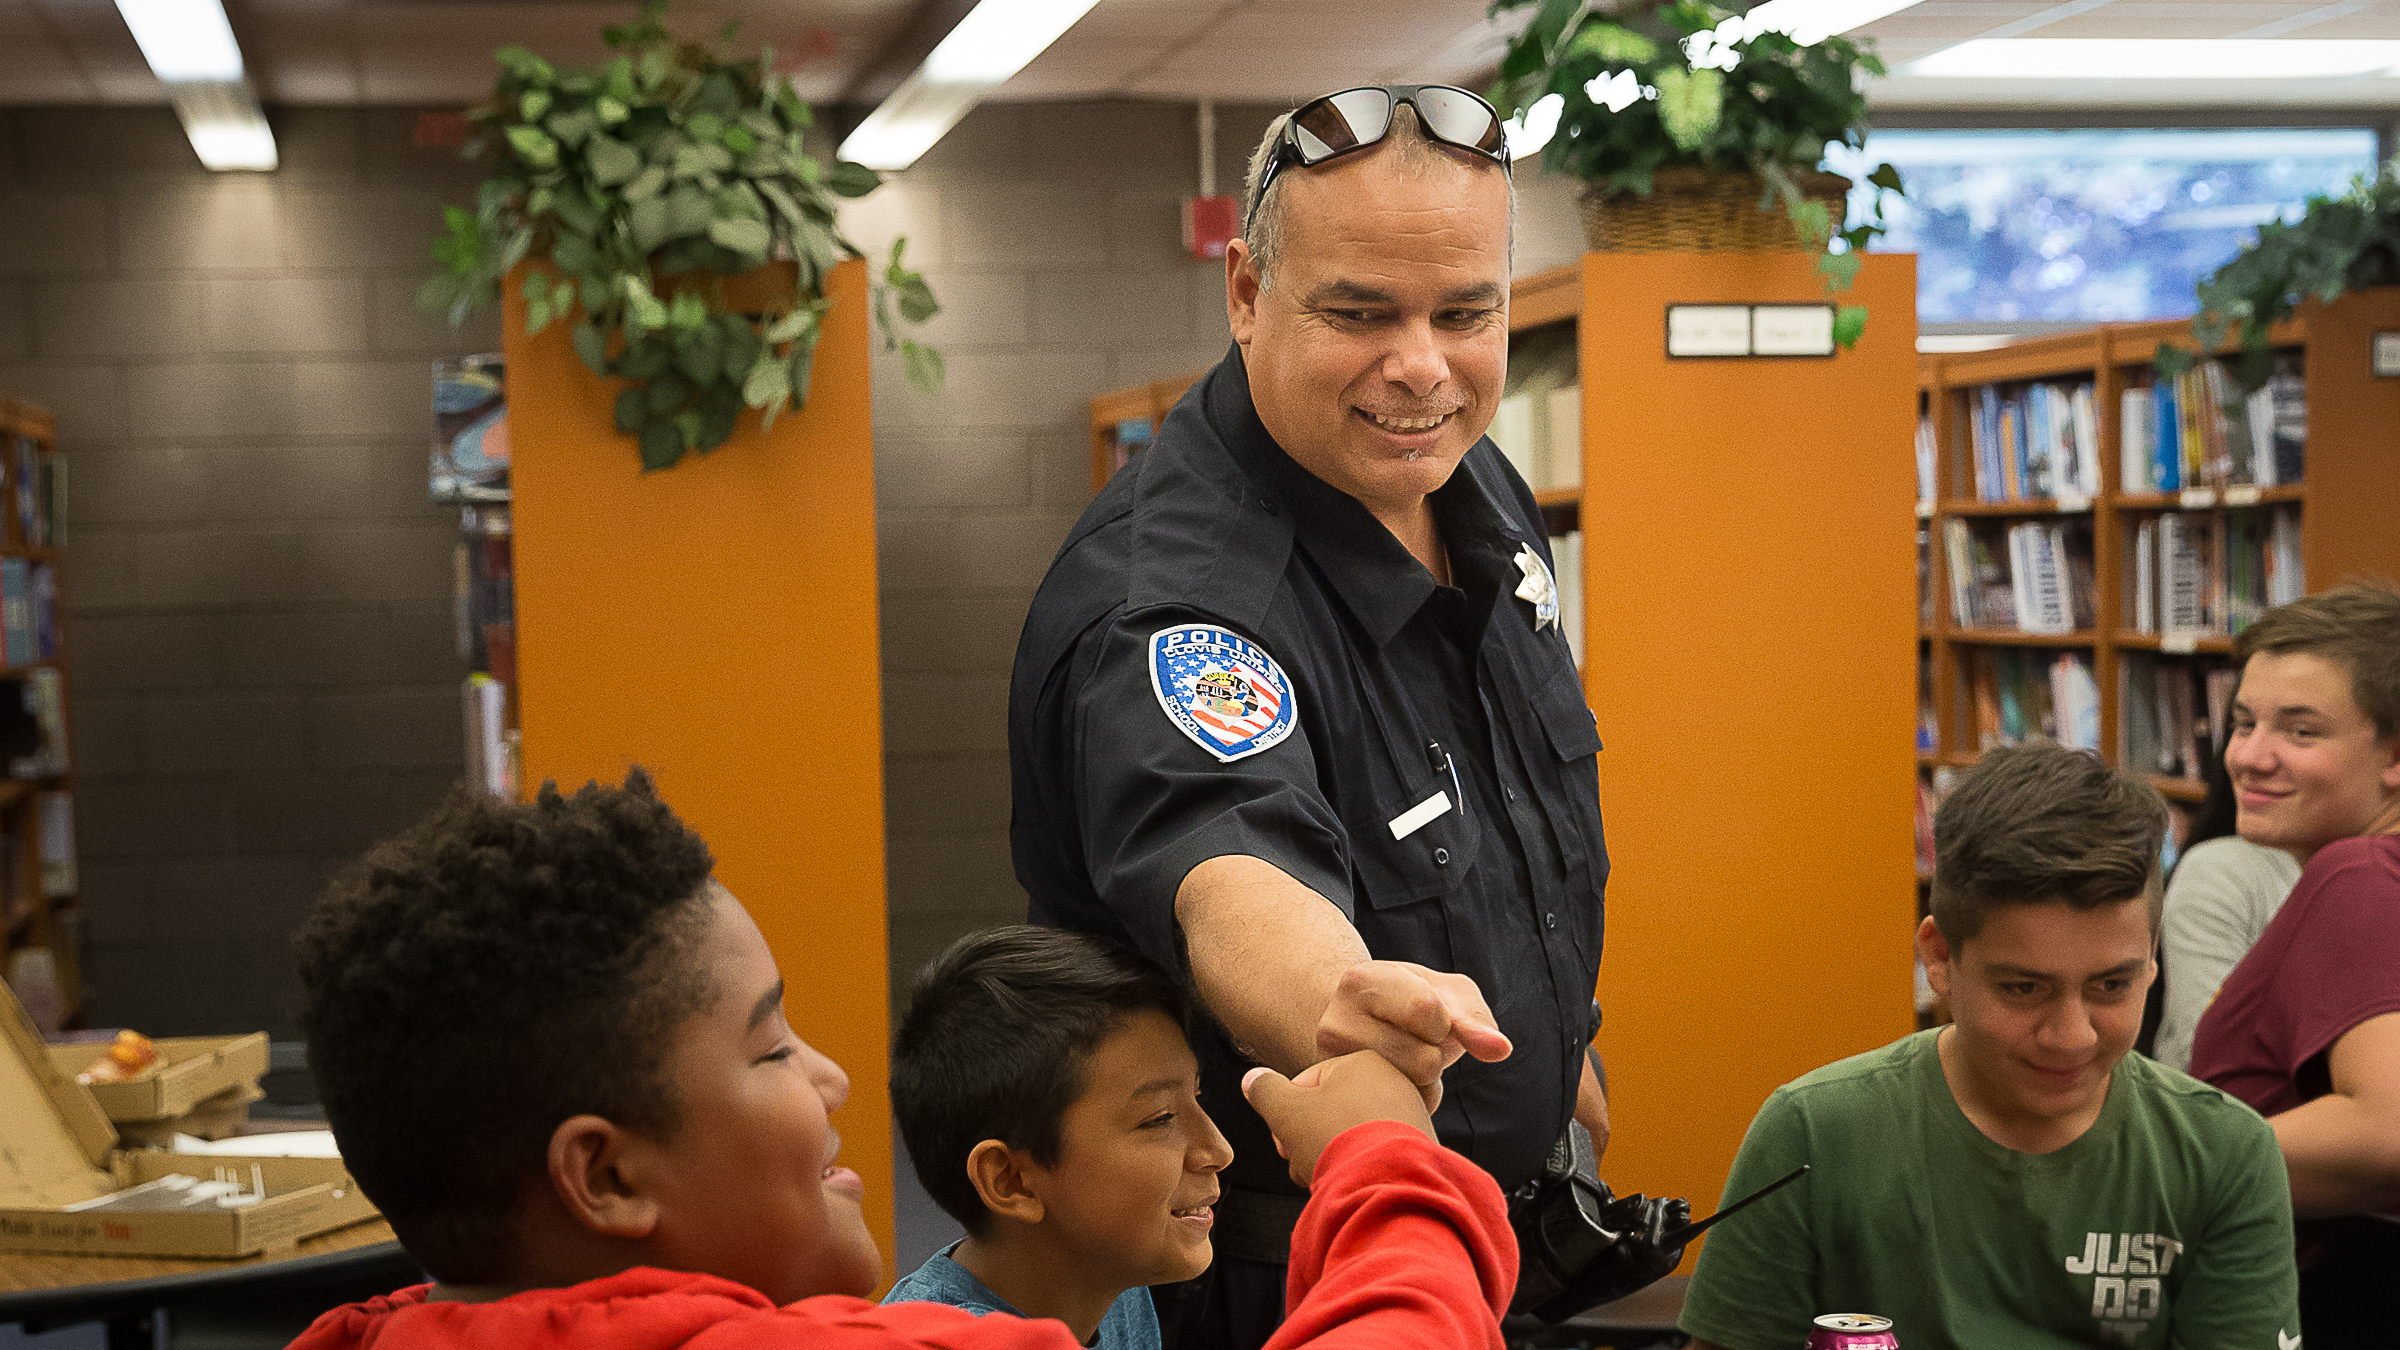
[(60, 1154), (193, 1069)]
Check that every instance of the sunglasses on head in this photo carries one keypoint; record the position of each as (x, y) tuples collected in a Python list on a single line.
[(1354, 119)]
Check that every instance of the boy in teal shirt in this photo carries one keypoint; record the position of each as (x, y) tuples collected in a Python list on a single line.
[(2016, 1178)]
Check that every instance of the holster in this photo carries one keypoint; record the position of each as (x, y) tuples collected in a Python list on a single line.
[(1579, 1246)]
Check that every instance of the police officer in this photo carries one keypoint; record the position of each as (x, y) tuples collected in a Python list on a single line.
[(1292, 712)]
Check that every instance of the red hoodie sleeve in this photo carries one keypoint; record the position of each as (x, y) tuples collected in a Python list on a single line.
[(1403, 1244)]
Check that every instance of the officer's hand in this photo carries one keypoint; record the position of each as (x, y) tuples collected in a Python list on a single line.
[(1329, 1097), (1420, 1020)]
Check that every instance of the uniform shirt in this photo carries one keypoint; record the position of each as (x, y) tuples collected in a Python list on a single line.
[(2167, 1225), (1363, 689)]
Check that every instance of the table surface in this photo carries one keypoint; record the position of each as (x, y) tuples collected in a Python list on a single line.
[(23, 1272), (53, 1289)]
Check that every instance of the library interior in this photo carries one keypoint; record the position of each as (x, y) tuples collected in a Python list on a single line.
[(1756, 438)]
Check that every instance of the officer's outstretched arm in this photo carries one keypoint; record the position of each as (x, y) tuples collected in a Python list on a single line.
[(1285, 972)]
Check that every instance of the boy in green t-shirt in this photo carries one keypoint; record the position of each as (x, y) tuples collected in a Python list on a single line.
[(2016, 1179)]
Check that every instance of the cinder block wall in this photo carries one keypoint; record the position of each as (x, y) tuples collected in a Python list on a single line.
[(257, 593)]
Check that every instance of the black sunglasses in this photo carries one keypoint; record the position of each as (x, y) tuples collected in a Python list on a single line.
[(1354, 119)]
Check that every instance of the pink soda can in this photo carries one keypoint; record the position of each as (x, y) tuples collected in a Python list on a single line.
[(1853, 1331)]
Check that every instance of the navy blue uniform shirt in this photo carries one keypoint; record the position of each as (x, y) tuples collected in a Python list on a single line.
[(1230, 656)]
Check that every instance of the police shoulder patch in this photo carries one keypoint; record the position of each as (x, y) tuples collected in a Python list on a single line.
[(1222, 690)]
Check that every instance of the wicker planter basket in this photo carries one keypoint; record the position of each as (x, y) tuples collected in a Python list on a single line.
[(1702, 211)]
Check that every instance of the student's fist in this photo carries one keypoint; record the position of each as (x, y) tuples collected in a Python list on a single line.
[(1329, 1097), (1419, 1019)]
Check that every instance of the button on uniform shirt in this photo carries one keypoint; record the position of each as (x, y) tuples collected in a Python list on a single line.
[(1230, 656)]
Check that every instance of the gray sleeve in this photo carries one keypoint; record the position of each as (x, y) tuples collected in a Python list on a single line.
[(2218, 903)]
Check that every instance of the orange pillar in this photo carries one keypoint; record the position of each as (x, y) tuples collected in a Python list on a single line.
[(716, 624), (1750, 586)]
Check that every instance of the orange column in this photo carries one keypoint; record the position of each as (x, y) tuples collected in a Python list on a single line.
[(716, 624), (1749, 586)]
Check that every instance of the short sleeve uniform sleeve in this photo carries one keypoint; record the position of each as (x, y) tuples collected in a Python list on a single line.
[(1154, 801), (1756, 1281)]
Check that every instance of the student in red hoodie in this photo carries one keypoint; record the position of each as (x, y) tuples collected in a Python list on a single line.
[(554, 1051)]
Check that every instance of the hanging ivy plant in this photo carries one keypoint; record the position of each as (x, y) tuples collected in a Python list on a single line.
[(2343, 243), (668, 164)]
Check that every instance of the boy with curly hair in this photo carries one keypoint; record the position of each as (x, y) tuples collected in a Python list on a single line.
[(554, 1051)]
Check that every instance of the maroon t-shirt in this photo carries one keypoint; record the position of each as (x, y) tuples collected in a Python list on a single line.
[(2329, 961)]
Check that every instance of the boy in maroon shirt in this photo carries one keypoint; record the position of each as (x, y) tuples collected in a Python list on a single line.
[(554, 1051), (2307, 1028)]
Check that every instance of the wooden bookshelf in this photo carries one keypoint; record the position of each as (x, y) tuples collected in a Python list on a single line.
[(2350, 482), (38, 911)]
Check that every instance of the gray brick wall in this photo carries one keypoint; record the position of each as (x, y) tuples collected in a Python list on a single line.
[(257, 593)]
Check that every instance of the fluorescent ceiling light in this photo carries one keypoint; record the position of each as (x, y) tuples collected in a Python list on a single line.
[(994, 42), (2157, 59), (226, 127), (184, 39), (190, 47)]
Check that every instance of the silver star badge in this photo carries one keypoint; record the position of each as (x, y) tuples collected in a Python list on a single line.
[(1538, 588)]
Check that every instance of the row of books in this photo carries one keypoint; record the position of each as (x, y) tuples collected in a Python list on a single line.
[(33, 723), (2172, 712), (38, 489), (487, 638), (2033, 440), (2187, 577), (2021, 694), (2188, 431), (2034, 576), (28, 612), (1540, 430)]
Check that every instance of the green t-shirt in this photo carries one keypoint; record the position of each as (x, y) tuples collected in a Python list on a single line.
[(2169, 1223)]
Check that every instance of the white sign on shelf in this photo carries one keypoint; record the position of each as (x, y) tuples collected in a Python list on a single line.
[(2198, 499), (2387, 356), (2179, 642), (1791, 330), (2241, 494), (2073, 503), (1708, 330)]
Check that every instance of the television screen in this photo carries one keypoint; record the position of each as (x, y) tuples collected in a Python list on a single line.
[(2091, 225)]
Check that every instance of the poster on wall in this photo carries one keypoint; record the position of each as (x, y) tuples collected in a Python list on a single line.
[(470, 430)]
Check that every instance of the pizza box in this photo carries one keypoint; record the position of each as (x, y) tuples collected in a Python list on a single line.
[(191, 1070), (61, 1176)]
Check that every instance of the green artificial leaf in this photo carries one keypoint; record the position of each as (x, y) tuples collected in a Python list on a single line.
[(571, 128), (651, 181), (852, 180), (1812, 220), (665, 394), (688, 213), (629, 411), (1887, 178), (916, 299), (662, 445), (610, 110), (525, 65), (643, 311), (719, 410), (532, 104), (924, 366), (698, 353), (740, 141), (688, 310), (534, 146), (1690, 104), (537, 315), (651, 69), (1849, 324), (592, 347), (767, 386), (617, 79), (1612, 44), (645, 358), (742, 236), (612, 160), (647, 220), (704, 126), (1840, 270)]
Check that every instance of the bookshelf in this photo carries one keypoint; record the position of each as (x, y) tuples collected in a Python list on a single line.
[(41, 931), (2164, 572)]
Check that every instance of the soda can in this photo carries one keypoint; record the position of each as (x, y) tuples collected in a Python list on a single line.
[(1853, 1331)]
